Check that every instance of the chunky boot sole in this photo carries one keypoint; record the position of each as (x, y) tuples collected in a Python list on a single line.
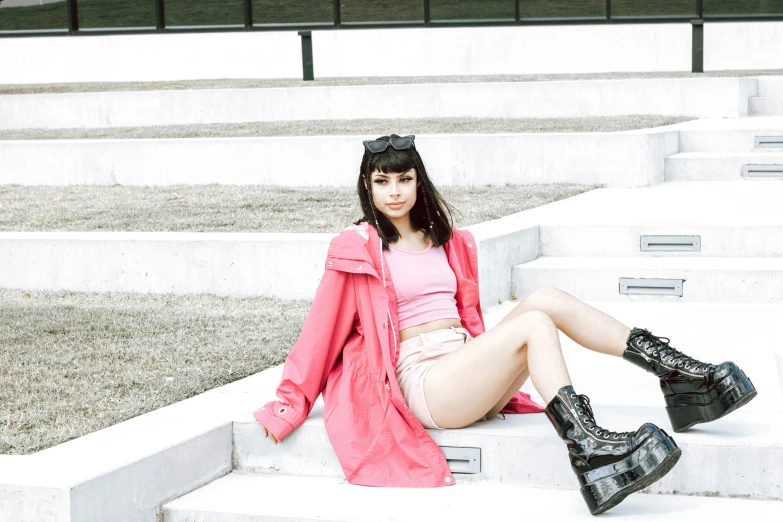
[(605, 487), (734, 391)]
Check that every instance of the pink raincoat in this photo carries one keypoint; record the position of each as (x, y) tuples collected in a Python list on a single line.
[(348, 350)]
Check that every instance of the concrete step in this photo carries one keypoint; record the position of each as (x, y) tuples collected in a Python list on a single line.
[(525, 450), (543, 99), (703, 279), (714, 166), (722, 141), (770, 86), (627, 241), (253, 498), (452, 159), (765, 106)]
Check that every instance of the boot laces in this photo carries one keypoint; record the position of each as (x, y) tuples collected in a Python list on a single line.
[(668, 354), (582, 404)]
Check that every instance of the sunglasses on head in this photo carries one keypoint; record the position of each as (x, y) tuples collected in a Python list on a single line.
[(375, 146)]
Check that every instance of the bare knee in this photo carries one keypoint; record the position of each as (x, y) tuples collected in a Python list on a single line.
[(532, 324), (545, 299)]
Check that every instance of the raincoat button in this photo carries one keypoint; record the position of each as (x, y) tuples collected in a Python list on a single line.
[(330, 263), (359, 267), (448, 480), (470, 245), (384, 325), (281, 411)]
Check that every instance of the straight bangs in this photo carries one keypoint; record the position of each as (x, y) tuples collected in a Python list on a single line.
[(392, 161)]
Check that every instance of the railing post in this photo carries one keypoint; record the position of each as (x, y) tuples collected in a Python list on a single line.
[(517, 14), (427, 13), (248, 14), (160, 15), (697, 44), (73, 16), (608, 10), (336, 13), (307, 55)]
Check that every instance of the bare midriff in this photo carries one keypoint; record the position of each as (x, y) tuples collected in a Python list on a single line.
[(440, 324)]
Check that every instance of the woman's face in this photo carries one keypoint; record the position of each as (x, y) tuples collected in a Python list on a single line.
[(394, 194)]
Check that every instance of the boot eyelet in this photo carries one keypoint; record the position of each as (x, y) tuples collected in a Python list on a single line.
[(573, 396), (615, 437), (687, 367)]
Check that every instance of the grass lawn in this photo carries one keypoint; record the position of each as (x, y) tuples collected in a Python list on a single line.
[(373, 127), (236, 208), (261, 83), (74, 363)]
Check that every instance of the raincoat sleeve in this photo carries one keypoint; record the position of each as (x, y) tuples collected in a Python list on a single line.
[(324, 333)]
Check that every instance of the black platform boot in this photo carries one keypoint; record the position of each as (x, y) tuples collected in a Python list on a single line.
[(610, 466), (694, 391)]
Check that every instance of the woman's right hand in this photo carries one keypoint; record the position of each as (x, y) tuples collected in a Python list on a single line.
[(268, 433)]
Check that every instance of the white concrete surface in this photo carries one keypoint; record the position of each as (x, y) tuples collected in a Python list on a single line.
[(720, 141), (716, 166), (153, 57), (236, 497), (715, 97), (506, 50), (440, 51), (706, 279), (771, 85), (626, 240), (525, 450), (612, 159), (239, 264), (759, 106), (742, 46), (126, 471)]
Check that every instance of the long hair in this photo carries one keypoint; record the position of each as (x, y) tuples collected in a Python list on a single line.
[(431, 213)]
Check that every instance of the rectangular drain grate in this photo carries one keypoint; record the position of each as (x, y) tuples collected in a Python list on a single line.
[(762, 171), (767, 141), (463, 460), (671, 244), (643, 286)]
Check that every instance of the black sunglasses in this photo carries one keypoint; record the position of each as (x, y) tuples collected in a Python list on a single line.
[(402, 143)]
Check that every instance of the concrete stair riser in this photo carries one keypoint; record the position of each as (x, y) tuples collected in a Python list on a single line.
[(674, 97), (525, 450), (619, 241), (235, 498), (458, 159), (727, 141), (765, 106), (280, 265), (701, 285), (769, 86), (715, 167)]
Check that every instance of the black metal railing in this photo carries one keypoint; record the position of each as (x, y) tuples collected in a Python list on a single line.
[(92, 17)]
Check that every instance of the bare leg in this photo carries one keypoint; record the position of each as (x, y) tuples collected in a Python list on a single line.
[(581, 322), (487, 367)]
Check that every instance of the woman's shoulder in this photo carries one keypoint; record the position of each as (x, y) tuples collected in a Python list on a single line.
[(363, 229), (463, 236)]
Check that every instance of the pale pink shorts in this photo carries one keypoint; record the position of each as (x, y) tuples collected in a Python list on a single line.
[(417, 354)]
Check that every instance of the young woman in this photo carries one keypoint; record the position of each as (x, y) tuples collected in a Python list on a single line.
[(395, 341)]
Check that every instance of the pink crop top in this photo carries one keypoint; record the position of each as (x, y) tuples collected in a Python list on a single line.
[(425, 285)]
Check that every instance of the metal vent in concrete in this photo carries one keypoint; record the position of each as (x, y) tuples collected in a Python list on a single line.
[(767, 141), (463, 460), (762, 171), (671, 244), (643, 286)]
